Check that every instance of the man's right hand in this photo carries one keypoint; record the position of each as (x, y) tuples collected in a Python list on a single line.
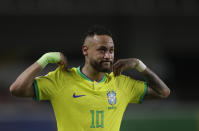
[(52, 57), (63, 61)]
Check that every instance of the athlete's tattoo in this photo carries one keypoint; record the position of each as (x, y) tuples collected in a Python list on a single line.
[(154, 82)]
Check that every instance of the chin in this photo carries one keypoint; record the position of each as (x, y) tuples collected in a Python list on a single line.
[(102, 67), (106, 70)]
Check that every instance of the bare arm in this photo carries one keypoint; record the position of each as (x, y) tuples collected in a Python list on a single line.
[(23, 85), (156, 87)]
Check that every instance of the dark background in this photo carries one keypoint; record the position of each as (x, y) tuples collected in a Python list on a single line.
[(162, 33)]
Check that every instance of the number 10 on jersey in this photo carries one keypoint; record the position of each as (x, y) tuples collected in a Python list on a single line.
[(97, 119)]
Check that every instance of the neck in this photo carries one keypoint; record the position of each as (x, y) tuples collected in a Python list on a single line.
[(92, 73)]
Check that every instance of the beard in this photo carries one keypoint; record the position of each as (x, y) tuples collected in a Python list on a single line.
[(100, 67)]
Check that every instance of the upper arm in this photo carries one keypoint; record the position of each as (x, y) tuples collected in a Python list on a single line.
[(135, 89), (151, 94), (47, 87), (19, 91), (30, 92)]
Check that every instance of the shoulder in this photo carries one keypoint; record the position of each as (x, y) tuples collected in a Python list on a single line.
[(66, 72), (120, 78), (61, 72)]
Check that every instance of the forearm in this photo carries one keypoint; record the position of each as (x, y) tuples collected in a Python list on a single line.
[(155, 83), (23, 86), (26, 78), (156, 89), (24, 81)]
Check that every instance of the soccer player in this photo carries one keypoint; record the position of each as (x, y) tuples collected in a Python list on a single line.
[(90, 97)]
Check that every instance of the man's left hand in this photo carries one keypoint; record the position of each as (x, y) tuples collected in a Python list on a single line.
[(124, 64)]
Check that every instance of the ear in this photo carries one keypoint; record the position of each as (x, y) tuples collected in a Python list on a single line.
[(85, 50)]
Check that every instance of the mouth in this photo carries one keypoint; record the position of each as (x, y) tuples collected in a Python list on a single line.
[(106, 62)]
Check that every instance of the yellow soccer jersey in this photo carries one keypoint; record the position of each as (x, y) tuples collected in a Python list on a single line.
[(81, 104)]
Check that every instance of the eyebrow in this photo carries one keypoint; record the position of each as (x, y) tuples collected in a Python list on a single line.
[(102, 46)]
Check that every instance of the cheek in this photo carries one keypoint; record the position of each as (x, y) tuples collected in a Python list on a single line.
[(98, 55), (91, 54), (94, 56), (112, 56)]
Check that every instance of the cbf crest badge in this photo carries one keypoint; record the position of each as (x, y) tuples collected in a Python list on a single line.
[(111, 97)]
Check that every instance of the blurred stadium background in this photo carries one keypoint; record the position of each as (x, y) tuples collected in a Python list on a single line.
[(162, 33)]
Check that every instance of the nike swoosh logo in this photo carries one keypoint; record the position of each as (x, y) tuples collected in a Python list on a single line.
[(76, 96)]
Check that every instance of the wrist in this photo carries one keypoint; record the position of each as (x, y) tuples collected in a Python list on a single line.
[(140, 66), (51, 57)]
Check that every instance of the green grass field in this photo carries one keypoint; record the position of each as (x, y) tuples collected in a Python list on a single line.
[(160, 125), (170, 119)]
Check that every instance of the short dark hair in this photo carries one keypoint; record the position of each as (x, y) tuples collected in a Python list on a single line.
[(97, 30)]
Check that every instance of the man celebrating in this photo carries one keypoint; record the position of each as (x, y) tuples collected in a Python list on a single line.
[(89, 97)]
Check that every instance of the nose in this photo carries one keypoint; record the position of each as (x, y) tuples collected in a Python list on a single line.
[(107, 55)]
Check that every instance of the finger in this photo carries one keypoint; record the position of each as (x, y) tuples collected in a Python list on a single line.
[(116, 72), (121, 69), (118, 69), (63, 58), (115, 66), (65, 64), (63, 61), (115, 69)]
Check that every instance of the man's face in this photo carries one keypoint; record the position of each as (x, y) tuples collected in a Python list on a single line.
[(100, 52)]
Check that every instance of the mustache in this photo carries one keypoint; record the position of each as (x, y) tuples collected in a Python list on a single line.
[(107, 61)]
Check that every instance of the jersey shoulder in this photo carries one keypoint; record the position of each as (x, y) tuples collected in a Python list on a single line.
[(119, 78), (60, 73), (121, 81)]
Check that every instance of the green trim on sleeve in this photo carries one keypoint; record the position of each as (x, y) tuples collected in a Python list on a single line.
[(36, 97), (144, 93)]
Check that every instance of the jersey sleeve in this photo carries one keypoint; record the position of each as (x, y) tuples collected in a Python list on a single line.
[(135, 89), (47, 86)]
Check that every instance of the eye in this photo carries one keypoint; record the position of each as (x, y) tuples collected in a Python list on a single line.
[(111, 50), (102, 50)]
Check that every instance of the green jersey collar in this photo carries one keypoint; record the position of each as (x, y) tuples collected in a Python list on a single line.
[(85, 77)]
